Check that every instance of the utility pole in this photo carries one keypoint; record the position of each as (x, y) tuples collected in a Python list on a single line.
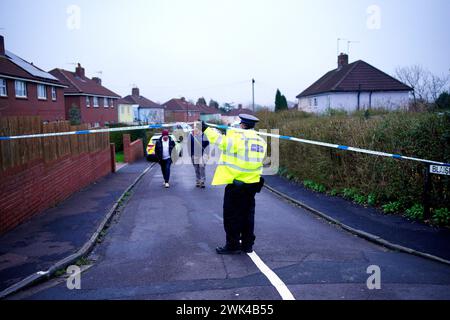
[(253, 94)]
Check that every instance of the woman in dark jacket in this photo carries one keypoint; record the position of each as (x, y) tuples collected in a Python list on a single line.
[(163, 151), (197, 147)]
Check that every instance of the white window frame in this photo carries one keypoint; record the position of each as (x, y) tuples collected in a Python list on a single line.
[(24, 89), (54, 94), (39, 89), (95, 102), (315, 102), (111, 102), (3, 88), (105, 102), (88, 102)]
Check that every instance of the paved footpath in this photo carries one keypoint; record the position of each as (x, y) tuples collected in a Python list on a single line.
[(162, 247), (60, 231)]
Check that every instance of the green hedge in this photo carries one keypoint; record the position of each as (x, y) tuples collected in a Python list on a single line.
[(378, 179), (117, 137)]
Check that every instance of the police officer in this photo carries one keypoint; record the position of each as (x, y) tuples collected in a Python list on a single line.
[(240, 168)]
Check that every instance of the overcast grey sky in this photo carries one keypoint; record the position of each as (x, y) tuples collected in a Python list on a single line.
[(211, 48)]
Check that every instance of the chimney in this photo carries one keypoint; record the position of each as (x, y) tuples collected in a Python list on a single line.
[(342, 60), (97, 80), (135, 92), (2, 46), (183, 99), (240, 106), (79, 71)]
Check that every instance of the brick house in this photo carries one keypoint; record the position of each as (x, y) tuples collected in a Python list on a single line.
[(97, 104), (180, 110), (26, 90)]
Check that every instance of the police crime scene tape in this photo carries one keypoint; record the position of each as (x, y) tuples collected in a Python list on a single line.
[(223, 127), (82, 132), (336, 146)]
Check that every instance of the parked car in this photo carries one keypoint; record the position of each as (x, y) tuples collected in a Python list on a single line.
[(150, 151)]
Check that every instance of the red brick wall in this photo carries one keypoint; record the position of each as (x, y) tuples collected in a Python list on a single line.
[(132, 150), (48, 110), (29, 189)]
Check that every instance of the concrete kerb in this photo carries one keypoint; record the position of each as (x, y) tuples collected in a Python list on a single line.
[(365, 235), (83, 251)]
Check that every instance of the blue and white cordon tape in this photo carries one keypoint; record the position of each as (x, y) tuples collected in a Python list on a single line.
[(337, 146), (82, 132), (164, 125)]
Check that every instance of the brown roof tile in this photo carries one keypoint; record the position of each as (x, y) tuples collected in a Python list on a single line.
[(140, 100), (81, 85), (355, 76), (180, 105)]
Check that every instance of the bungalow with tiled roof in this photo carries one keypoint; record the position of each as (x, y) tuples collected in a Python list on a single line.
[(136, 109), (180, 110), (97, 104), (26, 90), (352, 87)]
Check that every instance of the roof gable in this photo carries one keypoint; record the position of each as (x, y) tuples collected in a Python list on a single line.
[(356, 76)]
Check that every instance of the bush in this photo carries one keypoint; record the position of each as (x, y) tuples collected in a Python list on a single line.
[(441, 217), (393, 207), (314, 186), (372, 200), (416, 212)]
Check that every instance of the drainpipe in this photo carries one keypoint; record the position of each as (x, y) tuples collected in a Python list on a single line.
[(359, 97), (370, 100)]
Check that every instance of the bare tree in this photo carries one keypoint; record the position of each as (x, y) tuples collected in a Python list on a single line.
[(437, 85), (417, 78)]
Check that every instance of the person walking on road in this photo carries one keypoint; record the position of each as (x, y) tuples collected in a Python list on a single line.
[(163, 150), (240, 167), (198, 144)]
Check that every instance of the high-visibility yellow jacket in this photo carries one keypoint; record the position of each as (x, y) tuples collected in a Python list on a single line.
[(242, 155)]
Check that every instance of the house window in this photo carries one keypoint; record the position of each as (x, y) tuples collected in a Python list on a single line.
[(105, 102), (42, 92), (53, 93), (21, 89), (96, 124), (3, 91), (111, 103), (315, 102), (95, 102), (88, 102)]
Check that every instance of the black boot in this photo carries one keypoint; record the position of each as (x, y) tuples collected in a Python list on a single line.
[(228, 250)]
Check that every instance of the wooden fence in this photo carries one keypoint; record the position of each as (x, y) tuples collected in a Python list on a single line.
[(15, 153)]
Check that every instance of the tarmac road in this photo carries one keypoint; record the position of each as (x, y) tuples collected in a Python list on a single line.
[(162, 247)]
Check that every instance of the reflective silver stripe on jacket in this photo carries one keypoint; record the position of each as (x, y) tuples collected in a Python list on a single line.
[(233, 166)]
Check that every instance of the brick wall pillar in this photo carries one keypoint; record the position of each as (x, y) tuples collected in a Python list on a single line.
[(127, 148), (112, 148)]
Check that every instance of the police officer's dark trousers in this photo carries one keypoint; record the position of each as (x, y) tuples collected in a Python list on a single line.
[(239, 215)]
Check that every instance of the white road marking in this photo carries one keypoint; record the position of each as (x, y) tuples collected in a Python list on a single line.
[(273, 278)]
